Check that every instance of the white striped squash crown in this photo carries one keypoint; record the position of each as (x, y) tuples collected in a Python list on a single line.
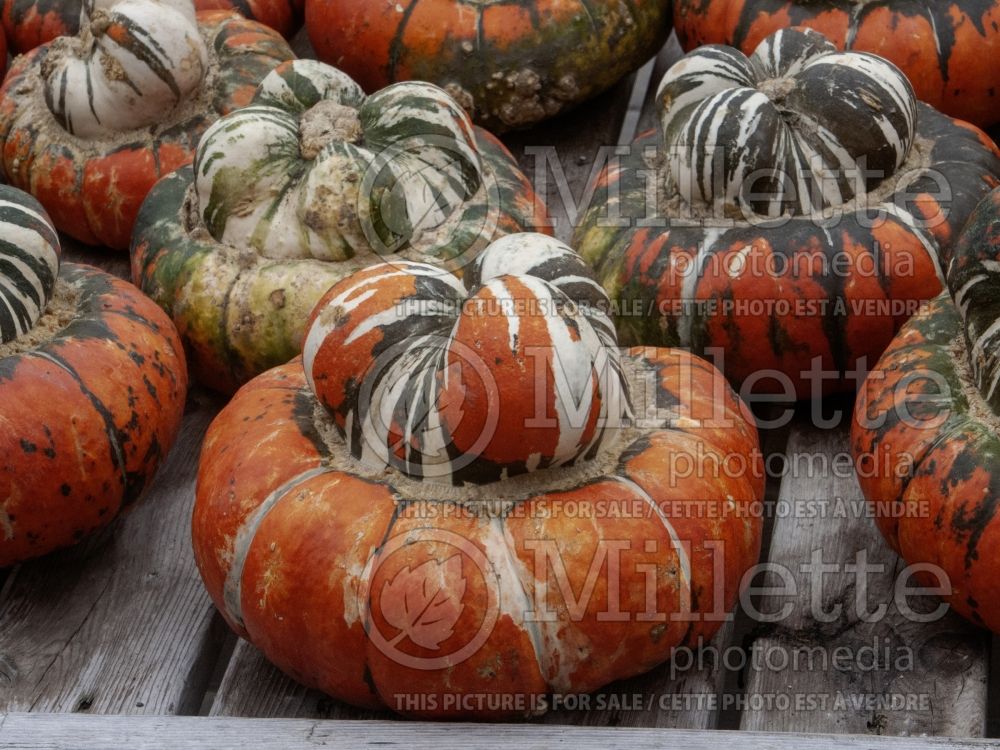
[(132, 63), (314, 168), (794, 128), (514, 368)]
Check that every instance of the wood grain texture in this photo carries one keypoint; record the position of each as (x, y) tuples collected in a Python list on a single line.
[(120, 625), (561, 155), (947, 667), (253, 687), (81, 732)]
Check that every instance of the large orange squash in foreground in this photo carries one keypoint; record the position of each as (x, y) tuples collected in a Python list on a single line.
[(464, 497)]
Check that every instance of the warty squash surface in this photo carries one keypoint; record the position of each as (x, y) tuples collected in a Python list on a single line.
[(925, 435), (510, 64)]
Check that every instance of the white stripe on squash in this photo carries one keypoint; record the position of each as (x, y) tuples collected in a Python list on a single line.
[(97, 87)]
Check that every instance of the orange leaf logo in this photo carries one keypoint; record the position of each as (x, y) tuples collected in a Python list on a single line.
[(425, 603)]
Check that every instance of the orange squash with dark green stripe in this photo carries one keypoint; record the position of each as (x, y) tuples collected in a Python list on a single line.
[(925, 429), (88, 124), (465, 489), (92, 389), (784, 261), (510, 64)]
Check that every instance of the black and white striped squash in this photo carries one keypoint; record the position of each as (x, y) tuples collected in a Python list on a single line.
[(88, 123), (792, 211), (435, 437), (29, 263), (311, 182), (796, 127)]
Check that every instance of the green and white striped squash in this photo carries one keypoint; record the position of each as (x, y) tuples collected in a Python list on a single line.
[(316, 169), (311, 182)]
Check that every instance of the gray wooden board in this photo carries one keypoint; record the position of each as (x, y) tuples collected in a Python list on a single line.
[(120, 625), (561, 155), (929, 678), (81, 732)]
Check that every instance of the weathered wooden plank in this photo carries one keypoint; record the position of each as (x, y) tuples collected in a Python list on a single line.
[(121, 625), (253, 687), (561, 155), (82, 732), (893, 675)]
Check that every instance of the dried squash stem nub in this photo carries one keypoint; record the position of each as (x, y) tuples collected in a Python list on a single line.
[(133, 63), (411, 364), (29, 262), (795, 128), (315, 169), (327, 122)]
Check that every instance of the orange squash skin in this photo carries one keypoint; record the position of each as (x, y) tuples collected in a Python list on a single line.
[(925, 440), (87, 416), (509, 64), (950, 51), (303, 579)]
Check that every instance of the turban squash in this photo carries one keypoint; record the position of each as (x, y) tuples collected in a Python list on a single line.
[(92, 387), (510, 64), (949, 49), (380, 516), (32, 23), (791, 210), (311, 182), (924, 434), (88, 124)]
